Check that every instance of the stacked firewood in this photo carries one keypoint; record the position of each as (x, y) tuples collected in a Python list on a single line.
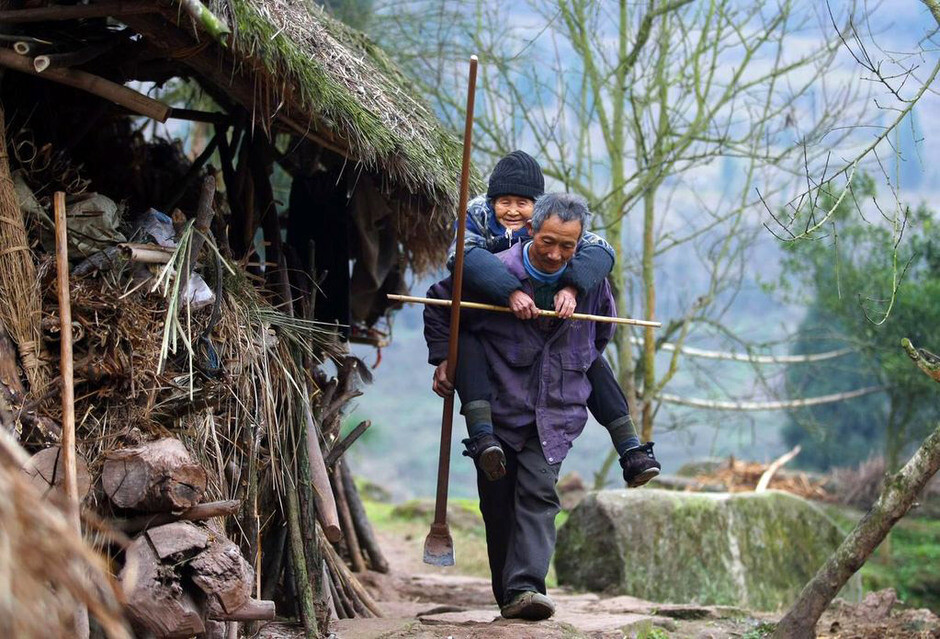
[(180, 577)]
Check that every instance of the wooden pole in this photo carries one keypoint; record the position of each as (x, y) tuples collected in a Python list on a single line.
[(340, 448), (438, 545), (364, 531), (349, 528), (505, 309), (198, 512), (96, 85), (68, 384)]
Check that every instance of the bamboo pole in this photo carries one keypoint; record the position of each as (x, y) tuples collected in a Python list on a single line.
[(70, 58), (68, 386), (505, 309), (146, 253), (96, 85), (214, 26), (302, 585)]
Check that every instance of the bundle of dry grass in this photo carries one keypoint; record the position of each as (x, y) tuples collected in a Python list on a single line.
[(20, 314), (46, 569)]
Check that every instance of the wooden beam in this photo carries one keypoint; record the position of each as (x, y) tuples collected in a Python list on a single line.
[(96, 85), (111, 9)]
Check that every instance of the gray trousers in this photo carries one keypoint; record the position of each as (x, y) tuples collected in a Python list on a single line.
[(519, 513)]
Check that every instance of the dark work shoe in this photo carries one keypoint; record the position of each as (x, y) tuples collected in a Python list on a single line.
[(639, 465), (530, 605), (488, 453)]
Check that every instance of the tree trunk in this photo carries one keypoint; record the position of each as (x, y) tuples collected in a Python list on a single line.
[(896, 499)]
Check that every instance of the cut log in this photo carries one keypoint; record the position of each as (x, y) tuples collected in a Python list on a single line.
[(156, 601), (196, 513), (46, 470), (320, 478), (224, 576), (158, 476), (177, 541)]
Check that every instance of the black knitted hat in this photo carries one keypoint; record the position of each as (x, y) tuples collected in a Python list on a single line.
[(516, 174)]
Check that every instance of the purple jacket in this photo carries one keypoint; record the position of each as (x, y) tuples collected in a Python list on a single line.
[(539, 376)]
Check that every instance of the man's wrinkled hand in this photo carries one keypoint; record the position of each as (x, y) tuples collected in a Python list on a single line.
[(565, 302), (441, 385), (523, 306)]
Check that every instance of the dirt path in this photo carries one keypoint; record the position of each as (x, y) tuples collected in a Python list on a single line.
[(423, 602)]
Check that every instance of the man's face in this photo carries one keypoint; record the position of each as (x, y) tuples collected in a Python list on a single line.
[(554, 244), (513, 211)]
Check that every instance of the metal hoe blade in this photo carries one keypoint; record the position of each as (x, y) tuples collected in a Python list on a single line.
[(439, 546)]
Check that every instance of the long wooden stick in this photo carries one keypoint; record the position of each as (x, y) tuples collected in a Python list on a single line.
[(349, 528), (505, 309), (438, 545), (68, 384), (342, 446), (198, 512), (96, 85), (776, 465)]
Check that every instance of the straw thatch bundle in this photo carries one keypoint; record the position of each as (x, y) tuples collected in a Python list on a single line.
[(21, 310), (46, 570)]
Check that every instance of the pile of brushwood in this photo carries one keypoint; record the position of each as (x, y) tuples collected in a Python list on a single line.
[(210, 456)]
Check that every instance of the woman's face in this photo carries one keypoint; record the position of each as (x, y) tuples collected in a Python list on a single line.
[(513, 211)]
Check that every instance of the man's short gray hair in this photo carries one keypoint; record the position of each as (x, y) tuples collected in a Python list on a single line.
[(567, 206)]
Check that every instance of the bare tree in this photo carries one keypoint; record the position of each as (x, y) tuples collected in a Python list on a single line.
[(634, 105)]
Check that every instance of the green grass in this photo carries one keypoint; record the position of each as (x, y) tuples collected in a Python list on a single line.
[(907, 561)]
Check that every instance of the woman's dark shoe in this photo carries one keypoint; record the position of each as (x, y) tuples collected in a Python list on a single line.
[(639, 465), (488, 453)]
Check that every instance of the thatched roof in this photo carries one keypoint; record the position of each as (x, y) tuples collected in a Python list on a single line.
[(349, 88), (331, 83)]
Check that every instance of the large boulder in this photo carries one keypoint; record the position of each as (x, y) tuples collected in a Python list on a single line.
[(751, 550)]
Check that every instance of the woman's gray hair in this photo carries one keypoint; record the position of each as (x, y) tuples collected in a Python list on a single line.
[(567, 206)]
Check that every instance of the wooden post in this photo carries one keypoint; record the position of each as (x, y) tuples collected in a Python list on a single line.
[(68, 384), (349, 529), (364, 531)]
